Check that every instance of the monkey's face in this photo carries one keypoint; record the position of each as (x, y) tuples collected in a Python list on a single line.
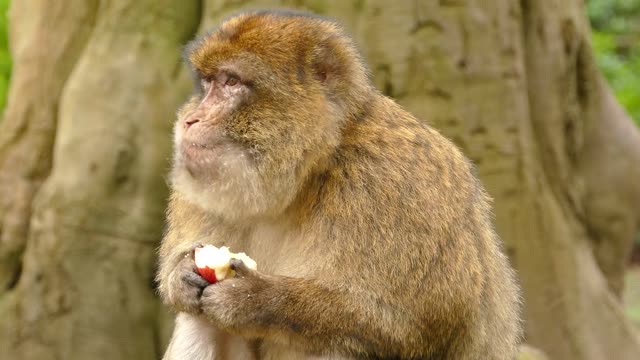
[(204, 149), (263, 115), (214, 166)]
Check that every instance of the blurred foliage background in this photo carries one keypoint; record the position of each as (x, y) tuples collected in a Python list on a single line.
[(616, 40), (5, 59)]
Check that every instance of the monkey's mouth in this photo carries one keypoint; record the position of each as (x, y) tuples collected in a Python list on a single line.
[(197, 154), (197, 158), (207, 161), (193, 150)]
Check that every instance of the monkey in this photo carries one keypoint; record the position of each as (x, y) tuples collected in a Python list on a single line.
[(372, 233)]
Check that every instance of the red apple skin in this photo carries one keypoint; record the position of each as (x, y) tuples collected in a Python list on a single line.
[(208, 274)]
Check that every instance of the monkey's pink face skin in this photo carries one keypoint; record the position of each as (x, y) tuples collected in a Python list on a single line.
[(202, 147)]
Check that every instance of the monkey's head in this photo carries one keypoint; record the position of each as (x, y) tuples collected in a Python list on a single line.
[(273, 92)]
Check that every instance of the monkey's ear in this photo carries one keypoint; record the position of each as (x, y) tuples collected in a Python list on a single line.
[(338, 66), (327, 63)]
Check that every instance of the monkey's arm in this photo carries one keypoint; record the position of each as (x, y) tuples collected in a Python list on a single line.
[(305, 314)]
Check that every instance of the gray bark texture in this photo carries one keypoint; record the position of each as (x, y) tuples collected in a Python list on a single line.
[(86, 139), (85, 144)]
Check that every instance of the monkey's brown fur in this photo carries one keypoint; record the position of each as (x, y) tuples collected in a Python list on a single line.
[(372, 236)]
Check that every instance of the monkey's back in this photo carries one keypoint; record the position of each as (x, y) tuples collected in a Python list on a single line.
[(405, 198)]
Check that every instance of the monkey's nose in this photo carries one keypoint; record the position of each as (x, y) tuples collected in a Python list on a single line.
[(191, 121)]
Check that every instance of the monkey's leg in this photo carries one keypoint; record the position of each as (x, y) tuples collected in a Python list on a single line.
[(197, 339), (274, 351), (193, 339)]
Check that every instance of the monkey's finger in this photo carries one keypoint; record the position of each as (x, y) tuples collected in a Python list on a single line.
[(194, 279), (240, 267), (196, 245), (192, 251)]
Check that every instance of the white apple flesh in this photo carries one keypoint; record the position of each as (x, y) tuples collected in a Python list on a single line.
[(214, 263)]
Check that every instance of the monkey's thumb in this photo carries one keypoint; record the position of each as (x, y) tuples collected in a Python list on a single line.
[(239, 267)]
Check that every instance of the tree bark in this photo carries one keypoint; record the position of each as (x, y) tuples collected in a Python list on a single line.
[(512, 83), (53, 40), (86, 288), (587, 157)]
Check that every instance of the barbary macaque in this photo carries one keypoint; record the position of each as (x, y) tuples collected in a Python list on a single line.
[(373, 238)]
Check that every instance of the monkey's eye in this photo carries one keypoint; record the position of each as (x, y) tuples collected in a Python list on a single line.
[(231, 81)]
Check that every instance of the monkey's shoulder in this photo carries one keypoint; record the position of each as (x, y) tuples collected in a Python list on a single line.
[(392, 158), (392, 144)]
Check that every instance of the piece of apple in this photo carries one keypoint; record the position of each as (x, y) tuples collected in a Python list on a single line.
[(213, 263)]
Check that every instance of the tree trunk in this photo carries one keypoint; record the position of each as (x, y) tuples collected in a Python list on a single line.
[(513, 83), (52, 40), (86, 287)]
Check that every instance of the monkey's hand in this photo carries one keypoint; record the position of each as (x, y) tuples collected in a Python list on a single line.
[(238, 304), (186, 285)]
